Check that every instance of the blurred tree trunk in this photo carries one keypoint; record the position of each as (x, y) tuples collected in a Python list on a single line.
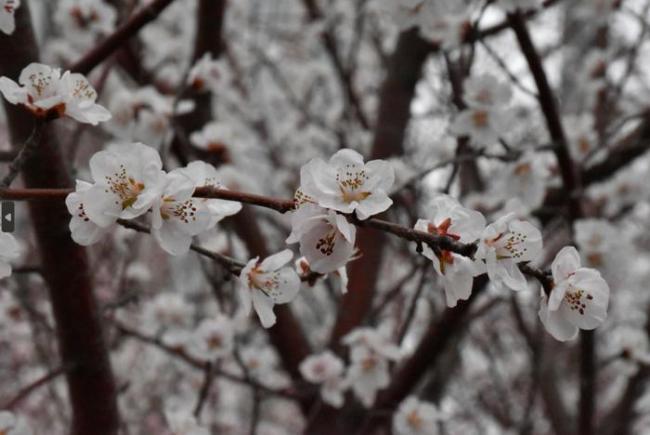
[(64, 264)]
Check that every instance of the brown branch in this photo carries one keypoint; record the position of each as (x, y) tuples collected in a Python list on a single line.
[(65, 266), (121, 36), (548, 104)]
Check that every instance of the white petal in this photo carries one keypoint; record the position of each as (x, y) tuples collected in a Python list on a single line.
[(12, 92), (264, 308), (566, 262), (556, 324), (376, 203), (276, 261)]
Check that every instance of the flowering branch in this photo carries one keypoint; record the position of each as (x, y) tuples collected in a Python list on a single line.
[(125, 32), (443, 243)]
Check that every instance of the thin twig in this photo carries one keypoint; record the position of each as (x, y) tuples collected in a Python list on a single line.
[(122, 34), (33, 386), (28, 149)]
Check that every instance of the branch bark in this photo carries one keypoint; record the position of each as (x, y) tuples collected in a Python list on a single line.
[(64, 264)]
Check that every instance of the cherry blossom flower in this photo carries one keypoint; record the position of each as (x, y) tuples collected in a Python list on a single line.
[(217, 137), (177, 217), (347, 184), (205, 175), (583, 139), (48, 94), (524, 179), (128, 179), (370, 352), (444, 22), (367, 374), (599, 242), (449, 218), (415, 417), (9, 250), (487, 115), (578, 300), (144, 114), (326, 237), (266, 283), (7, 11), (85, 19), (206, 74), (261, 363), (213, 339), (170, 314), (504, 244), (83, 230), (326, 369), (486, 91)]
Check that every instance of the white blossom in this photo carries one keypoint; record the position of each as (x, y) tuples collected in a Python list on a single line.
[(206, 74), (205, 175), (444, 22), (415, 417), (128, 179), (144, 114), (578, 300), (370, 352), (46, 93), (347, 184), (83, 230), (213, 339), (367, 374), (504, 244), (326, 369), (326, 237), (449, 218), (12, 425), (7, 19), (267, 283), (177, 217), (524, 179), (168, 312), (486, 91), (85, 19)]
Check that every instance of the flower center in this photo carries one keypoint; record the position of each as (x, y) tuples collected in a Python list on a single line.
[(183, 211), (574, 300), (125, 187), (81, 19), (509, 245), (214, 342), (522, 169), (327, 243), (414, 420), (267, 283), (351, 180), (480, 118)]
